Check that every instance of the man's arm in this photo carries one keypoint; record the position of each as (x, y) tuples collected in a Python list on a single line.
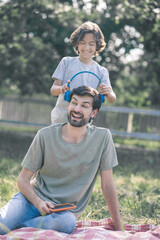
[(27, 190), (109, 191)]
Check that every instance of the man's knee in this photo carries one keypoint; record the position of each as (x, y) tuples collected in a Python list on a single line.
[(66, 221), (70, 222)]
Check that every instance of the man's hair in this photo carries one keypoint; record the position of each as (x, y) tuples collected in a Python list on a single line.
[(88, 27), (88, 91)]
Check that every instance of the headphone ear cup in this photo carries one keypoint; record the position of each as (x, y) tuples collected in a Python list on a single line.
[(102, 98), (67, 96)]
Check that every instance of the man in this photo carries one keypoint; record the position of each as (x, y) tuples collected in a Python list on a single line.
[(67, 158)]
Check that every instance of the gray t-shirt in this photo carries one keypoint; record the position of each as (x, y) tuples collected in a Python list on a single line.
[(67, 171), (67, 68)]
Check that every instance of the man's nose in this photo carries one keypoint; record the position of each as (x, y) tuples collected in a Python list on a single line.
[(77, 108)]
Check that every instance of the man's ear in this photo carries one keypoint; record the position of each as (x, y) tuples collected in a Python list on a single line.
[(94, 113)]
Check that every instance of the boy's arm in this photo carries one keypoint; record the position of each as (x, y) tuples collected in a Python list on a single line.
[(57, 87), (109, 191), (27, 190), (111, 96)]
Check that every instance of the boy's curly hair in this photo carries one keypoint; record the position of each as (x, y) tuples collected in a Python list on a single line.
[(88, 27)]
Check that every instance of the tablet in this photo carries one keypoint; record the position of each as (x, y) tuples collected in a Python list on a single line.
[(62, 207)]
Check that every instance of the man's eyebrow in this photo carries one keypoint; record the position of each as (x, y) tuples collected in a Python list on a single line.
[(74, 98)]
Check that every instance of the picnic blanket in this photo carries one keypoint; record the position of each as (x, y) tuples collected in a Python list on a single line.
[(89, 230)]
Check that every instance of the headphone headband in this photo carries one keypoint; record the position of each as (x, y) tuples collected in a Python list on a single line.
[(84, 72), (67, 94)]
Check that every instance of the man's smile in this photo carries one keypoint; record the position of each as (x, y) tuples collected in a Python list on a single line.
[(76, 115)]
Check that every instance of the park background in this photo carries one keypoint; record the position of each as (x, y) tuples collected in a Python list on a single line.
[(34, 36)]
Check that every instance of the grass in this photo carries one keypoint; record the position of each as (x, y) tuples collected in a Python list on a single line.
[(9, 170), (143, 143), (139, 194), (19, 128), (139, 199)]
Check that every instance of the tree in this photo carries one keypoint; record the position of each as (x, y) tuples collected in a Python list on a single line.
[(138, 27), (35, 36), (31, 43)]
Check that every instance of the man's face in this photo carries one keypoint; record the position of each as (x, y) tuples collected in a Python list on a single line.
[(80, 110)]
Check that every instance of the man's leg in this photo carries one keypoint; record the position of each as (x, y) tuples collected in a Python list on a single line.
[(19, 212), (16, 211), (63, 221)]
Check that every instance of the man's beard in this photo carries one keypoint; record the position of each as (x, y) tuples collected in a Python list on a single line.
[(76, 123)]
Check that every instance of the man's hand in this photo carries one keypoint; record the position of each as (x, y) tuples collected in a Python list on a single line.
[(43, 207)]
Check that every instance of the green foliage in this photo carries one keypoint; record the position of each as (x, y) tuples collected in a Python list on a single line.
[(29, 44), (141, 82), (35, 36)]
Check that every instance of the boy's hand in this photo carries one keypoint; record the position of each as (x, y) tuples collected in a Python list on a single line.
[(104, 89), (65, 87)]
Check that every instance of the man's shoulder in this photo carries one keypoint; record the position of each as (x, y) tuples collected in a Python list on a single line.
[(49, 129), (99, 130)]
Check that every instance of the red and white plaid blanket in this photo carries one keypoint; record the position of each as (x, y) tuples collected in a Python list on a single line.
[(89, 230)]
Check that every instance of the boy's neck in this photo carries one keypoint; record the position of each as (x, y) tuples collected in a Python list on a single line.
[(86, 61)]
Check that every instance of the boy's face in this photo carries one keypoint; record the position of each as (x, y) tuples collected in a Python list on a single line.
[(87, 47), (80, 110)]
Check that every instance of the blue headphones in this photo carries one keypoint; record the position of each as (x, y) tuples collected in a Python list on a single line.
[(67, 94)]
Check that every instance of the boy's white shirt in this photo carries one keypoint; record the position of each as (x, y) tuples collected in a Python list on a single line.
[(67, 68)]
